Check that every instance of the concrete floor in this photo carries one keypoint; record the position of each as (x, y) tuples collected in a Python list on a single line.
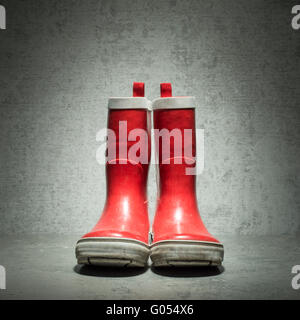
[(44, 267)]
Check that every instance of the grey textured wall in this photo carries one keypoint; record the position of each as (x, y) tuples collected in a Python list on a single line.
[(61, 60)]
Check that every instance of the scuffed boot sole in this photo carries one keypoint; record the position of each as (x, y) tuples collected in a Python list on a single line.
[(112, 252), (186, 253)]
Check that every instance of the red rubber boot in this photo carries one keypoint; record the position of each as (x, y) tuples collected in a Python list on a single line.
[(179, 235), (120, 238)]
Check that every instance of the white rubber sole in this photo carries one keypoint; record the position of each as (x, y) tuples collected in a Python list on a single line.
[(114, 252), (186, 253)]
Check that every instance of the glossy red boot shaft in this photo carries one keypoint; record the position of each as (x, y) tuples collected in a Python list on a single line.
[(125, 214), (177, 216)]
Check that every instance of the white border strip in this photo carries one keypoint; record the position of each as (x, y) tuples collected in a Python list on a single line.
[(129, 103), (174, 103)]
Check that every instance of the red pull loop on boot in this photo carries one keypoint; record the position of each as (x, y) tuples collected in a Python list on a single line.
[(165, 90), (138, 89)]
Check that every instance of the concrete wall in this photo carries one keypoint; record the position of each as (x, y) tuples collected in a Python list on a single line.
[(61, 60)]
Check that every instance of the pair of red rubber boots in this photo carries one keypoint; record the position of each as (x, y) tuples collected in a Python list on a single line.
[(122, 236)]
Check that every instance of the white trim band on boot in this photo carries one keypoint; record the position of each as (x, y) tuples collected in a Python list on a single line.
[(174, 103), (129, 103)]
